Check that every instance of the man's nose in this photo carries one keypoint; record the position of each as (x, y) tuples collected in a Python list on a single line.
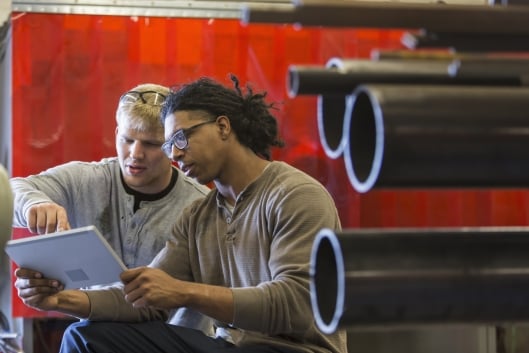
[(136, 150), (177, 154)]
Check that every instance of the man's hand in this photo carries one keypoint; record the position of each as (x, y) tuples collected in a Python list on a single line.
[(35, 291), (145, 286), (152, 287), (47, 217), (49, 295)]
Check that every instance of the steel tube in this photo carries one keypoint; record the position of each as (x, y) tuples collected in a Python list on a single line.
[(437, 136), (346, 74), (490, 68), (467, 42), (368, 278), (444, 18), (424, 54), (341, 76), (309, 79), (492, 71), (444, 54), (469, 68)]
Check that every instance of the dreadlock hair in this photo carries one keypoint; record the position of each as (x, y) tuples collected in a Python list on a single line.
[(249, 114)]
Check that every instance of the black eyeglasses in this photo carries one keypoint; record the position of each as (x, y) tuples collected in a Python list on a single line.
[(179, 138), (147, 97)]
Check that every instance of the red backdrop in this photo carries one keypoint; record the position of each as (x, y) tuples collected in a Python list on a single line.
[(69, 71)]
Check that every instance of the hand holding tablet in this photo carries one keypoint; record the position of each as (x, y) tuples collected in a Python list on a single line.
[(77, 258)]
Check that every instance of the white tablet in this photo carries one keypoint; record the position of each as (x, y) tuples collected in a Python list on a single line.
[(78, 257)]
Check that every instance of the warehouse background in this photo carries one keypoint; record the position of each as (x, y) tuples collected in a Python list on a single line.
[(68, 71)]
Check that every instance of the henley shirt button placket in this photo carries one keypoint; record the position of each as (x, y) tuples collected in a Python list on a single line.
[(230, 235), (132, 227)]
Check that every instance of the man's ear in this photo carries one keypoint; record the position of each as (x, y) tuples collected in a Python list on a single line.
[(224, 124)]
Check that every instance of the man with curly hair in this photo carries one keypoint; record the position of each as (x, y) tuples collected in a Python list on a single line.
[(240, 256)]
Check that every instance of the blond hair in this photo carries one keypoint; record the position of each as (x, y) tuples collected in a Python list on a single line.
[(139, 115)]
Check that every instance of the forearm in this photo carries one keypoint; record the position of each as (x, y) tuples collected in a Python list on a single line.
[(213, 301), (74, 303), (24, 197)]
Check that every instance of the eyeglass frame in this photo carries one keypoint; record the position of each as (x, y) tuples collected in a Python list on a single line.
[(140, 96), (183, 135)]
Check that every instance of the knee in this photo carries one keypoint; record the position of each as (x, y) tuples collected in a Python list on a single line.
[(85, 336), (73, 340), (75, 331), (75, 327), (84, 330)]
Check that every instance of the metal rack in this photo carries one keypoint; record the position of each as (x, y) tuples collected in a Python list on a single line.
[(156, 8), (467, 26)]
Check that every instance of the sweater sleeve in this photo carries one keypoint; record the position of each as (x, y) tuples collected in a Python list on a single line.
[(63, 185), (109, 304), (52, 185)]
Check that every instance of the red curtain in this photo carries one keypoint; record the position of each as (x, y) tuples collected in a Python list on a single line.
[(69, 71)]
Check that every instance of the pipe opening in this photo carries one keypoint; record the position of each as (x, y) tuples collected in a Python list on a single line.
[(331, 109), (292, 82), (364, 131), (327, 281)]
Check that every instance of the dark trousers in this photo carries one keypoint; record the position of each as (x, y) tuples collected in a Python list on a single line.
[(147, 337)]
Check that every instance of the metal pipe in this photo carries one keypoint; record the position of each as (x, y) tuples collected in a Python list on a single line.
[(343, 75), (467, 42), (443, 54), (330, 108), (437, 17), (469, 68), (490, 68), (330, 112), (437, 136), (309, 79), (423, 54), (492, 71), (368, 278)]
